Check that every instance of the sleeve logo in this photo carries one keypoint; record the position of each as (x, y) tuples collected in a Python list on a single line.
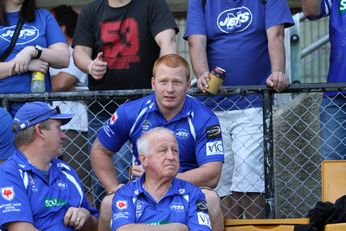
[(202, 206), (203, 219), (121, 204), (7, 193), (214, 148), (213, 132), (114, 118)]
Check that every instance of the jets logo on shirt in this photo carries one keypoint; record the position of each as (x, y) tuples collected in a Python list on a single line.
[(27, 34), (121, 204), (7, 193), (114, 118), (182, 133), (234, 20)]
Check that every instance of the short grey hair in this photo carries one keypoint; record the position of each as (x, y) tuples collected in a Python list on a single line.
[(27, 135), (143, 141)]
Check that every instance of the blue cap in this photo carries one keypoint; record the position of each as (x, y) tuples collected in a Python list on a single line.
[(35, 112)]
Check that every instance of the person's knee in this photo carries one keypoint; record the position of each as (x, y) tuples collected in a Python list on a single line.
[(106, 206), (212, 198)]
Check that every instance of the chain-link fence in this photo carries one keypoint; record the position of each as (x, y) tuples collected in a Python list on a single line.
[(289, 162)]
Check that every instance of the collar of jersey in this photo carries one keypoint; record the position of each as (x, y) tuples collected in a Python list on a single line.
[(184, 113), (24, 164), (174, 190)]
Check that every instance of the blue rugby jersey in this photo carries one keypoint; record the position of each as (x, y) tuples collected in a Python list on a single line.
[(183, 203), (26, 195), (196, 128)]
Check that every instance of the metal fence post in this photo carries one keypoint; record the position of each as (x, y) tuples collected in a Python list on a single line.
[(268, 153), (294, 33)]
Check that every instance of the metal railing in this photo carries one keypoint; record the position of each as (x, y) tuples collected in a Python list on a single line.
[(291, 154)]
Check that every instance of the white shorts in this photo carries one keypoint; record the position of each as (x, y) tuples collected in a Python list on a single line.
[(242, 134)]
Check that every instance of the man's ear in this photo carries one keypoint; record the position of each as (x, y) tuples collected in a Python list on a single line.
[(143, 159), (153, 83), (38, 131)]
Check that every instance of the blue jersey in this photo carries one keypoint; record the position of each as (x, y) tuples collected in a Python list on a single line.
[(43, 31), (27, 196), (337, 35), (183, 203), (6, 135), (237, 41), (196, 128)]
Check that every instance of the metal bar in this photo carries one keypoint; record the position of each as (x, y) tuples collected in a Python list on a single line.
[(268, 154), (314, 46)]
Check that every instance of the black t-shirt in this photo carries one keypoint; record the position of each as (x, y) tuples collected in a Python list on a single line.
[(126, 37)]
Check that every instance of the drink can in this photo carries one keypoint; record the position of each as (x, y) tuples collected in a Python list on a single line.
[(216, 77)]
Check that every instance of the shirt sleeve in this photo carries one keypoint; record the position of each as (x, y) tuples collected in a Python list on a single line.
[(195, 20), (123, 210), (161, 17), (84, 31), (14, 202), (115, 132), (198, 215), (54, 33), (209, 146), (277, 12)]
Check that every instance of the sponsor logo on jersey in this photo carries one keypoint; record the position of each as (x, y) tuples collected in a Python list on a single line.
[(203, 219), (146, 125), (139, 208), (62, 185), (33, 184), (7, 193), (213, 132), (201, 206), (182, 133), (214, 148), (120, 215), (177, 206), (342, 6), (114, 118), (121, 204), (50, 203), (234, 20), (27, 34)]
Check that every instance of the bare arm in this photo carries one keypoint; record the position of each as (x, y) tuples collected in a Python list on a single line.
[(311, 8), (101, 160), (15, 226), (82, 57), (166, 41), (206, 175), (278, 79), (57, 55), (63, 82), (143, 227), (198, 55)]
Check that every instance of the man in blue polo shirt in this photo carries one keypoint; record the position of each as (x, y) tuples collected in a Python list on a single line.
[(333, 105), (6, 135), (39, 191), (158, 200), (196, 127)]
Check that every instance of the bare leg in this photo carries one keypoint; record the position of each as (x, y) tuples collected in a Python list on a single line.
[(105, 214), (214, 208)]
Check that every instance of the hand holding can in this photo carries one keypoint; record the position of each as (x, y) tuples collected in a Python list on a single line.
[(216, 77)]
